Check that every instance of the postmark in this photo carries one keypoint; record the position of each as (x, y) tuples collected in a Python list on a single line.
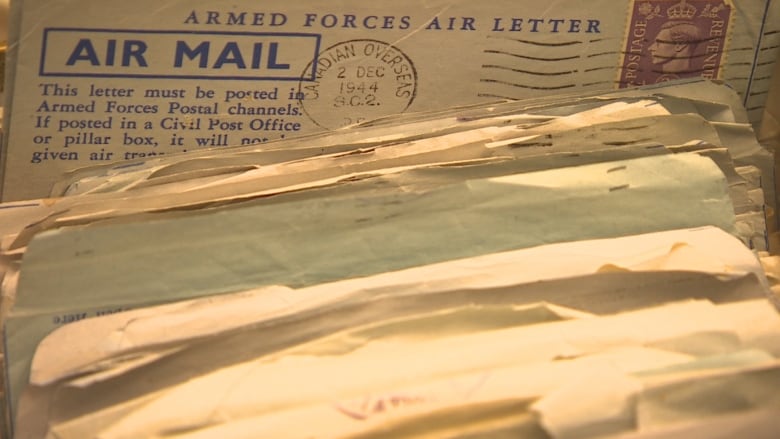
[(673, 39), (356, 81)]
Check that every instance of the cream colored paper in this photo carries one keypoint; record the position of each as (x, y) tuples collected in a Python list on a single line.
[(688, 251), (349, 248), (135, 329), (680, 98), (539, 342)]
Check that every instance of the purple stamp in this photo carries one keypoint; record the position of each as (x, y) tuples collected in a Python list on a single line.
[(672, 39)]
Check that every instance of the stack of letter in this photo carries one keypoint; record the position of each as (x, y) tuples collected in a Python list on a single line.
[(570, 267)]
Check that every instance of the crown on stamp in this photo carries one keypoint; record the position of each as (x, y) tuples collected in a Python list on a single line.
[(712, 11), (681, 11), (648, 11)]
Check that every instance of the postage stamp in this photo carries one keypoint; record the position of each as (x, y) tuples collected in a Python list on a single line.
[(356, 81), (672, 39)]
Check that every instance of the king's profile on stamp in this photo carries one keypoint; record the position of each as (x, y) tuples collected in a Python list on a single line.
[(674, 47)]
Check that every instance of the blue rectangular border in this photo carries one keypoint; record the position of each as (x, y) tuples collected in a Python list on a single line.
[(311, 77)]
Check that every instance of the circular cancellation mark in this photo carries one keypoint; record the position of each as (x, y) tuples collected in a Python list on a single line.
[(357, 81)]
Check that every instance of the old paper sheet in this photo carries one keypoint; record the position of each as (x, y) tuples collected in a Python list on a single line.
[(714, 102), (640, 253), (540, 342)]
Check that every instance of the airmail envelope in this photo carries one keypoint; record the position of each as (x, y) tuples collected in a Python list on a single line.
[(99, 81)]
